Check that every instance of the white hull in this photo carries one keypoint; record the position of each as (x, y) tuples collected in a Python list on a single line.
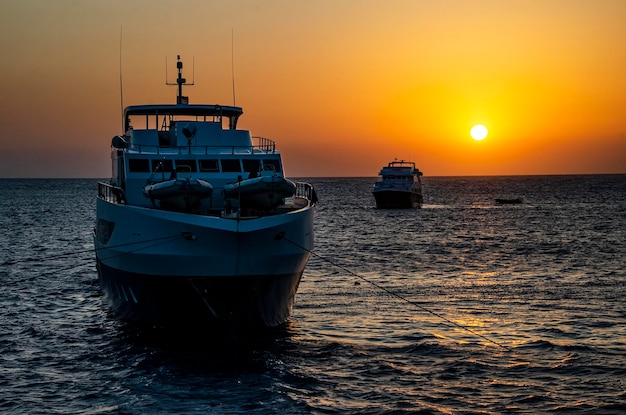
[(152, 251)]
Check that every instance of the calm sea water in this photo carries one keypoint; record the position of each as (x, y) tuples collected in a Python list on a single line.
[(461, 307)]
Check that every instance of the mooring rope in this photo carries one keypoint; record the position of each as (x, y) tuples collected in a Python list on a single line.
[(279, 236), (395, 294), (160, 242), (90, 250)]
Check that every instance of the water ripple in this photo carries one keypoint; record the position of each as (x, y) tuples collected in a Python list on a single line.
[(546, 279)]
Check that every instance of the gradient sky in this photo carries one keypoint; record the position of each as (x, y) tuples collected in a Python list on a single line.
[(343, 86)]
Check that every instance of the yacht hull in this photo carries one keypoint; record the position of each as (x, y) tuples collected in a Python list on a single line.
[(245, 302), (163, 268), (397, 199)]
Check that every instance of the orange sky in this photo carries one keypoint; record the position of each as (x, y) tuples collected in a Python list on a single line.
[(343, 87)]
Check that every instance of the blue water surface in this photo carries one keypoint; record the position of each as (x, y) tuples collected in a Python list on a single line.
[(460, 307)]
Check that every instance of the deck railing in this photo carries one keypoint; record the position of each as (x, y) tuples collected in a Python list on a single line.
[(111, 193), (262, 144), (114, 194), (306, 191)]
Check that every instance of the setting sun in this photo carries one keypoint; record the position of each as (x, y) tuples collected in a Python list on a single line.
[(543, 79), (478, 132)]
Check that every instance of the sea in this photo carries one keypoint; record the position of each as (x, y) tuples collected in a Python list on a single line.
[(462, 306)]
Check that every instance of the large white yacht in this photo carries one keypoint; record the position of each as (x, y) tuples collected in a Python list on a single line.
[(399, 186), (173, 246)]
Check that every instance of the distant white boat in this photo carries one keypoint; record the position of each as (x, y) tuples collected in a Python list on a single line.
[(399, 186), (175, 244)]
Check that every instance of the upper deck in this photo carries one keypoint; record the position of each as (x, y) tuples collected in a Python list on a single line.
[(182, 128), (162, 113), (187, 129), (400, 168), (162, 139), (204, 138)]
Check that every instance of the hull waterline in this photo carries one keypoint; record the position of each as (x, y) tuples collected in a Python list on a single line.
[(397, 199), (249, 302)]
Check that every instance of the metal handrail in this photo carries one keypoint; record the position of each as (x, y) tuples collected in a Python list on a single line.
[(263, 144), (307, 191), (114, 194), (111, 193)]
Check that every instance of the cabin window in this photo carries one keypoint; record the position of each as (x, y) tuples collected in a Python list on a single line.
[(251, 165), (273, 162), (162, 165), (231, 165), (190, 163), (209, 165), (139, 165)]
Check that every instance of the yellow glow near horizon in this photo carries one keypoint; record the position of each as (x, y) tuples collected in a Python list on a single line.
[(409, 79), (479, 132)]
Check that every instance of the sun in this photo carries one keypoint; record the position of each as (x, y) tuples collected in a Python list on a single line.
[(479, 132)]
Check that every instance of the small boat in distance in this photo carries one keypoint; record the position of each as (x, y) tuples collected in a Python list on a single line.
[(399, 186), (182, 240), (512, 201)]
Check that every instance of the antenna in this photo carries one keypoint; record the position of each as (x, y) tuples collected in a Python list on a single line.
[(232, 61), (121, 85), (180, 81)]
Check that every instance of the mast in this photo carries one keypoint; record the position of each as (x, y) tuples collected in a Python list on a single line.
[(180, 81)]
